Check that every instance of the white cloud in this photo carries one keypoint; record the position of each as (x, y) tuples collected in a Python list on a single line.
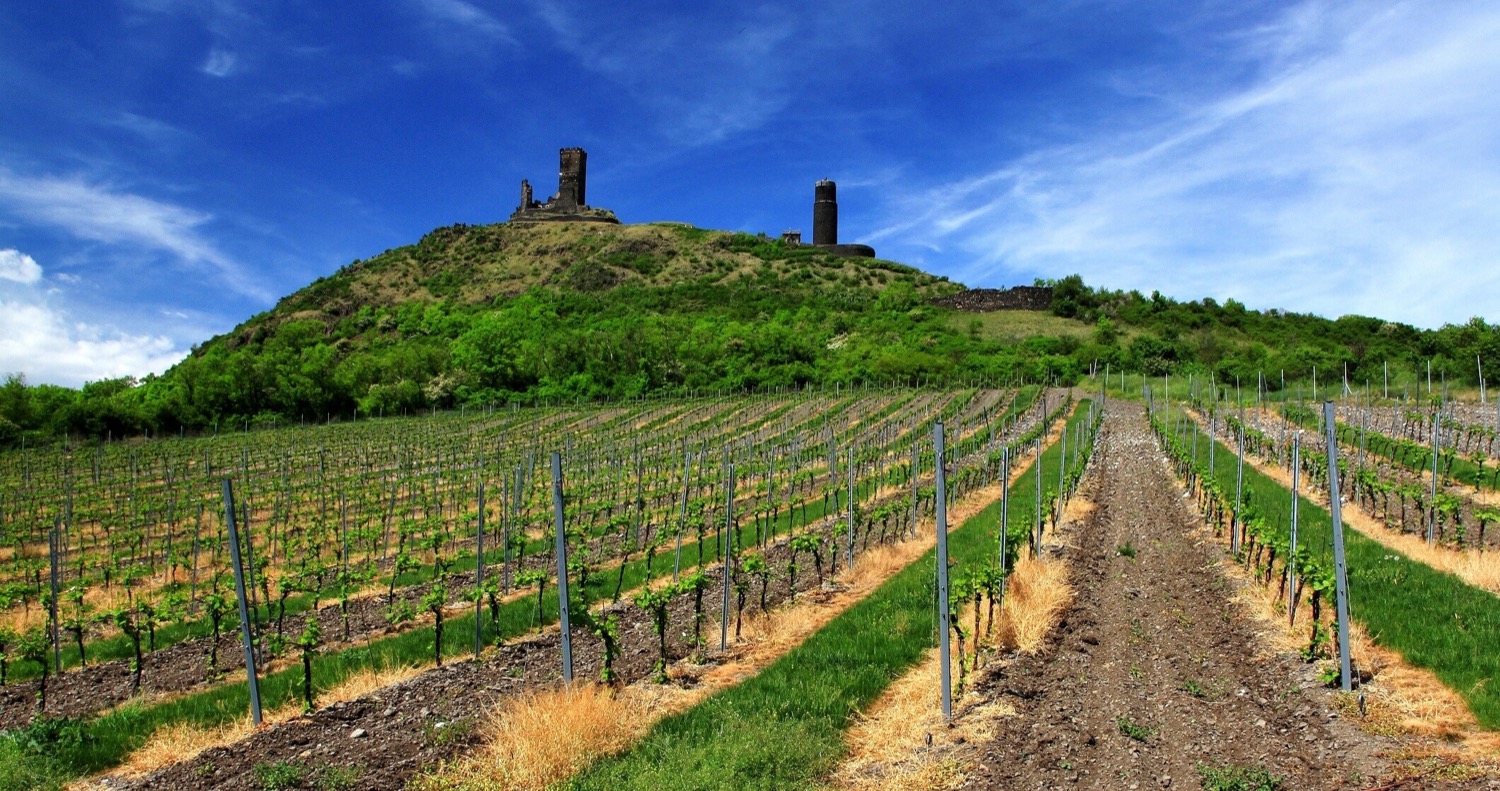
[(465, 17), (1357, 174), (20, 267), (48, 347), (97, 213), (220, 62)]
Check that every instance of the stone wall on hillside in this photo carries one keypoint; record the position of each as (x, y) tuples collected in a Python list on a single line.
[(987, 300)]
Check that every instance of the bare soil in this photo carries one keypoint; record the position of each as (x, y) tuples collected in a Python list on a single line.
[(1155, 672)]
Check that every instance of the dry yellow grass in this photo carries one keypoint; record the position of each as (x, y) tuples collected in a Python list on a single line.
[(547, 737), (1480, 569), (366, 681), (1036, 596), (901, 742), (183, 742), (888, 746), (515, 757), (1399, 699), (544, 738)]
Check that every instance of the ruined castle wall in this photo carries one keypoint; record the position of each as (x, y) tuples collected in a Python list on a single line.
[(986, 300)]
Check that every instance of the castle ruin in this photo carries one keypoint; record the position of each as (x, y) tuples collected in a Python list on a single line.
[(569, 204), (826, 225)]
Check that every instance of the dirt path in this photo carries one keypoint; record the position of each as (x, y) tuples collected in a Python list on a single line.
[(1154, 671)]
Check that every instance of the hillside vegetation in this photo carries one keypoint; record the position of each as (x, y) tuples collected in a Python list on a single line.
[(494, 314)]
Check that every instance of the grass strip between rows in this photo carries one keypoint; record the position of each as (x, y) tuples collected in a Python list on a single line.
[(784, 727)]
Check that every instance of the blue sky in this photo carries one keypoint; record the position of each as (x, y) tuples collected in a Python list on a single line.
[(169, 168)]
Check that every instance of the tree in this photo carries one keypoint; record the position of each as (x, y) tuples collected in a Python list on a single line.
[(656, 603), (308, 642), (534, 577), (125, 620), (33, 647), (754, 565), (696, 583), (434, 602), (216, 607), (78, 621), (8, 638)]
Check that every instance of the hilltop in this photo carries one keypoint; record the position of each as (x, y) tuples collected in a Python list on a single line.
[(477, 315), (560, 311), (476, 265)]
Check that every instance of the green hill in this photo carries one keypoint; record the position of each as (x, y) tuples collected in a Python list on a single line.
[(480, 315)]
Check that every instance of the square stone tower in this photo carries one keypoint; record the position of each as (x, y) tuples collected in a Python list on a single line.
[(572, 176)]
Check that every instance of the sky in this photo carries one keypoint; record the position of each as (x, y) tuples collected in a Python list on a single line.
[(169, 168)]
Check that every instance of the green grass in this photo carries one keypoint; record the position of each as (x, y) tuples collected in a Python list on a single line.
[(1129, 728), (784, 728), (1434, 619), (1015, 326), (1229, 777)]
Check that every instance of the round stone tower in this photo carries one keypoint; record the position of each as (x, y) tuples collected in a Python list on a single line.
[(825, 213)]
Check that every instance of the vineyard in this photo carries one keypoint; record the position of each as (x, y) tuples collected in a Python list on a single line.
[(400, 585), (361, 542)]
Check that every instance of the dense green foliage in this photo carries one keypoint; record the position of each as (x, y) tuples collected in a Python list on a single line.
[(505, 314), (1232, 341), (718, 311)]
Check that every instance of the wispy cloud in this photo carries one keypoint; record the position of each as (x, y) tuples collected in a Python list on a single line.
[(49, 347), (708, 77), (1356, 174), (19, 267), (466, 18), (220, 62), (98, 213)]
